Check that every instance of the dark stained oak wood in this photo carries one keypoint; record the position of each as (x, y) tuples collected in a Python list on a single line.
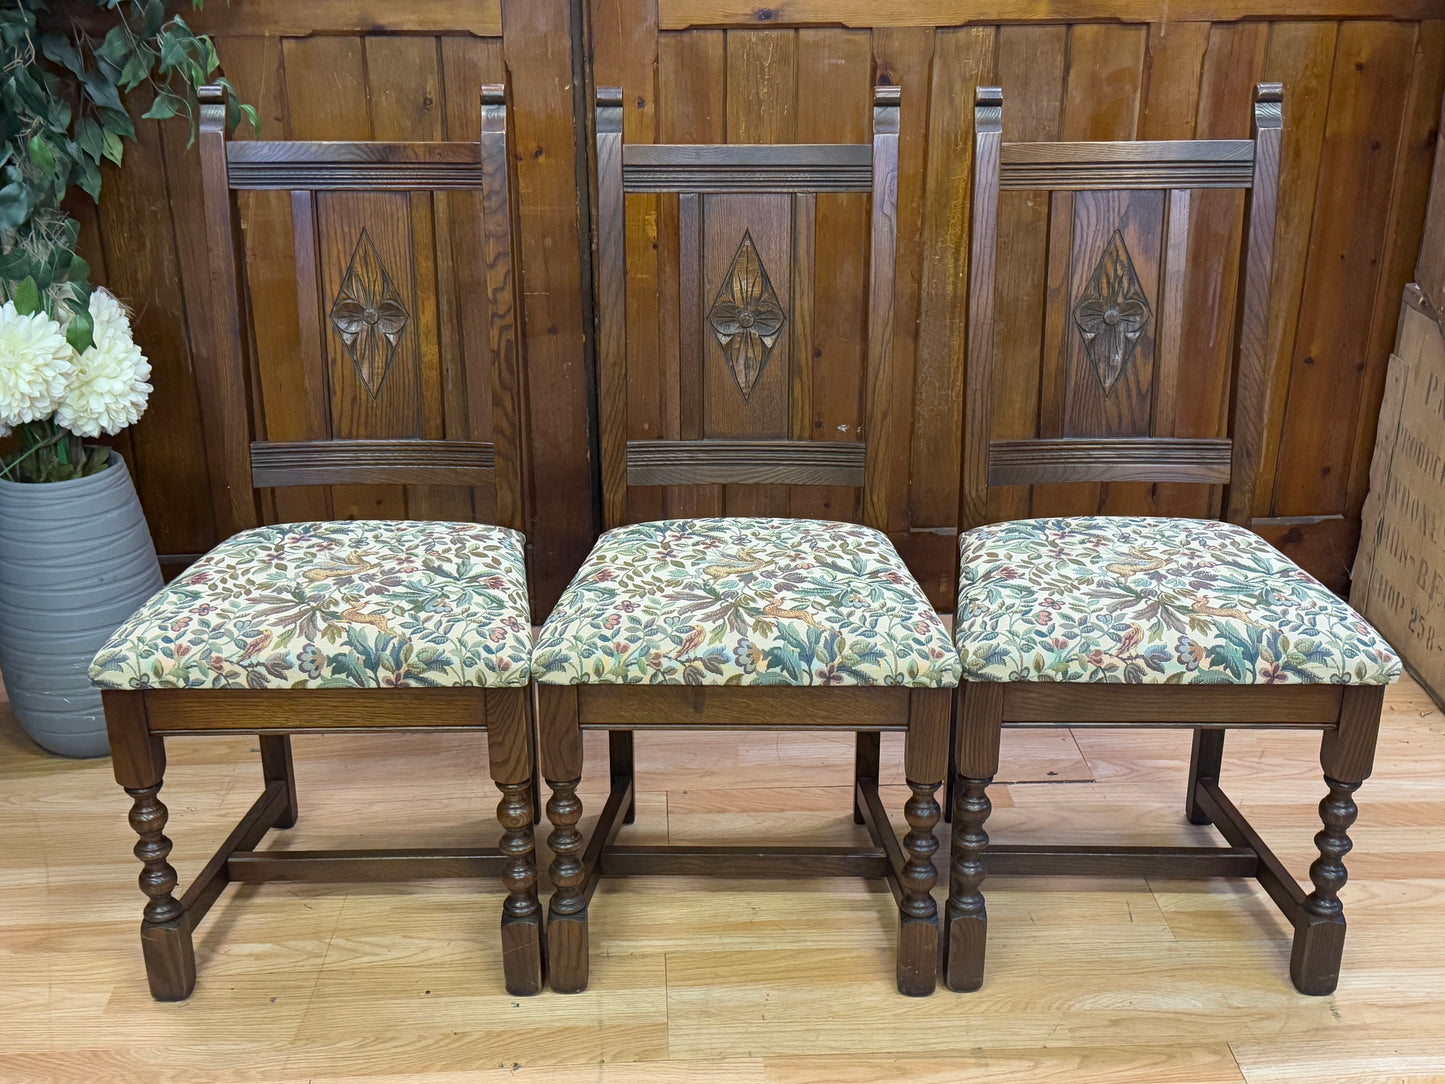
[(1089, 459), (1177, 163), (687, 14), (751, 707), (782, 462), (369, 204), (1316, 706), (816, 167), (435, 462)]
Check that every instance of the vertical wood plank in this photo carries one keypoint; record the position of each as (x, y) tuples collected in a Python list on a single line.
[(538, 44), (290, 378), (1102, 94), (407, 103), (1031, 75), (612, 398), (835, 105), (761, 108), (1301, 56), (1410, 191), (468, 64), (963, 59), (142, 268), (1368, 96), (903, 58), (328, 98), (692, 108)]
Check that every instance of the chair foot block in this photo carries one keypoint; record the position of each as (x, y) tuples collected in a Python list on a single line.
[(522, 955), (1314, 964), (170, 958), (567, 951), (963, 959), (917, 956)]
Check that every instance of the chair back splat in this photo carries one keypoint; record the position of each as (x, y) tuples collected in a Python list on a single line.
[(406, 376), (1114, 353), (735, 340)]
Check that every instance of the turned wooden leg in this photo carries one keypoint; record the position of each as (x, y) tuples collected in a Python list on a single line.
[(976, 747), (1319, 939), (276, 767), (1347, 755), (967, 915), (925, 762), (522, 912), (138, 759), (560, 746), (567, 913), (1204, 763), (165, 931), (866, 754), (511, 756), (918, 913), (620, 767)]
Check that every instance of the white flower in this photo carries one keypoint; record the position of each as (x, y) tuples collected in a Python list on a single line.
[(109, 390), (36, 364)]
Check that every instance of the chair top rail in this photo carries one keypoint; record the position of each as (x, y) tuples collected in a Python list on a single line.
[(1175, 163)]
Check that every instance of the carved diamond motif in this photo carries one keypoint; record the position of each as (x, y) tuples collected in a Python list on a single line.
[(1112, 313), (369, 315), (747, 316)]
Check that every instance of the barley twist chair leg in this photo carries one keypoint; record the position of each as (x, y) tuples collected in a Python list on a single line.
[(521, 913), (170, 957), (1319, 940), (967, 936), (918, 913), (567, 913)]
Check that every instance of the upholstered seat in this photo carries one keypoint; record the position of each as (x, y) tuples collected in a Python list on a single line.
[(744, 602), (355, 604), (1153, 601)]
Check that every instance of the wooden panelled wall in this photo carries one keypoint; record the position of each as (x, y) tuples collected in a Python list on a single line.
[(1363, 82)]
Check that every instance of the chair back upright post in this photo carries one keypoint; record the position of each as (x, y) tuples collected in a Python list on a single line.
[(742, 374), (1111, 363), (399, 384)]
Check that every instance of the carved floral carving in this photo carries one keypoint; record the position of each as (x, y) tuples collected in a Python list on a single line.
[(369, 315), (1112, 313), (747, 316)]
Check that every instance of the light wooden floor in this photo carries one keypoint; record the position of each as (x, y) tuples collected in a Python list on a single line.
[(1124, 980)]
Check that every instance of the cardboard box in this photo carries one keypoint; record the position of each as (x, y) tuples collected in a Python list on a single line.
[(1399, 574)]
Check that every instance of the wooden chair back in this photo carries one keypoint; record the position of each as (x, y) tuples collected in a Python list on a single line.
[(405, 302), (742, 375), (1117, 256)]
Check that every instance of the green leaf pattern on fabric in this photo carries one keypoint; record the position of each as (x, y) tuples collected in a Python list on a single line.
[(356, 604), (744, 601), (1153, 601)]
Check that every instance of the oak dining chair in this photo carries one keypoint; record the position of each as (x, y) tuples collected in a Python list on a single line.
[(342, 626), (1122, 621), (742, 622)]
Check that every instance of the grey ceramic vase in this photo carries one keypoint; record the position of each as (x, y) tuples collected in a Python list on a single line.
[(76, 560)]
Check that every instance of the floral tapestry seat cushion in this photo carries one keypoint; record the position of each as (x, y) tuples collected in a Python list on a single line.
[(744, 601), (350, 604), (1153, 600)]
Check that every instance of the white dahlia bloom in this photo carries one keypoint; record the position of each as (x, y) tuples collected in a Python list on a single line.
[(36, 364), (109, 390)]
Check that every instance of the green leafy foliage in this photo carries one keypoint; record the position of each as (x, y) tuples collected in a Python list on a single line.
[(63, 112)]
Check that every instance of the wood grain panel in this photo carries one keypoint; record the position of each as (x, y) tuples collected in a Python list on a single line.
[(538, 45), (682, 14), (761, 108), (835, 106), (962, 60), (692, 108), (1101, 102), (405, 90), (1031, 74), (1367, 104)]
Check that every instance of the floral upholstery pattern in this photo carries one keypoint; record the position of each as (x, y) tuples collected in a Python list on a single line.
[(744, 601), (353, 604), (1156, 601)]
